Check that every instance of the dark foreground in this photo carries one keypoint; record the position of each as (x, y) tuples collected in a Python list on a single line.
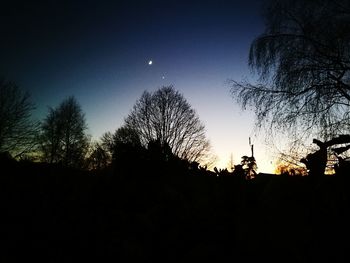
[(51, 214)]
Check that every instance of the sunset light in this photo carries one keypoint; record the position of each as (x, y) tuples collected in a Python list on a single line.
[(175, 131)]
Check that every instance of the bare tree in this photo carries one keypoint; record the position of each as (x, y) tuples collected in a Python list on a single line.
[(167, 117), (63, 137), (107, 142), (17, 129), (303, 61), (51, 136)]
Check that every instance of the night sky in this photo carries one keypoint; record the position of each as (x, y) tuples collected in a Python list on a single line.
[(99, 51)]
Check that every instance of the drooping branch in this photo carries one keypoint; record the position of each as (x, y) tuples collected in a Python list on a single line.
[(302, 60)]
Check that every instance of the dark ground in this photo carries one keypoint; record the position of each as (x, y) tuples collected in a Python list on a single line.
[(53, 214)]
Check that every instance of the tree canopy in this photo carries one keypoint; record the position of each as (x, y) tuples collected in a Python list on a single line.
[(17, 129), (167, 117), (63, 137), (303, 63)]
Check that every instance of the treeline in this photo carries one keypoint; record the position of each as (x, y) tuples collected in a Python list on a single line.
[(160, 211), (161, 206), (163, 117)]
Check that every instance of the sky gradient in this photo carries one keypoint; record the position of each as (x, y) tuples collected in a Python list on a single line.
[(99, 51)]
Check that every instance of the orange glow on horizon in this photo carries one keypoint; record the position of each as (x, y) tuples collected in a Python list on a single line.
[(264, 165)]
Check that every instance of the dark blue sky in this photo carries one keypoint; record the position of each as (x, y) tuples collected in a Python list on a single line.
[(98, 51)]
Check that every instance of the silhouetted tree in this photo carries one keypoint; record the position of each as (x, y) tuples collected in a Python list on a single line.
[(51, 136), (159, 151), (303, 62), (99, 157), (127, 135), (167, 117), (123, 149), (316, 162), (107, 143), (249, 166), (63, 137), (17, 129), (126, 143), (101, 152)]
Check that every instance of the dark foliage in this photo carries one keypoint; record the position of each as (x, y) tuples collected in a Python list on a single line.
[(63, 134), (56, 214)]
